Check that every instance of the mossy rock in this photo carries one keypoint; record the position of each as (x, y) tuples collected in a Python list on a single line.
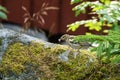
[(35, 62), (0, 44), (0, 41)]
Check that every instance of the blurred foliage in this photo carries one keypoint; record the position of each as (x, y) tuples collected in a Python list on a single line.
[(3, 12), (103, 13), (108, 45), (37, 62)]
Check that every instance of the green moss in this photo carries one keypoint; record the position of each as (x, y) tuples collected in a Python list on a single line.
[(44, 63), (14, 58)]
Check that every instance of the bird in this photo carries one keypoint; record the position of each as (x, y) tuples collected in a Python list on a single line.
[(69, 39)]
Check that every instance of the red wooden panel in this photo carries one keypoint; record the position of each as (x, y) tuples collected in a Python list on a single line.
[(15, 10), (56, 20), (0, 2), (67, 16), (51, 20)]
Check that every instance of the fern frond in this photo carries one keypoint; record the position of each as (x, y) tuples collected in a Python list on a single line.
[(109, 45), (112, 37), (89, 38)]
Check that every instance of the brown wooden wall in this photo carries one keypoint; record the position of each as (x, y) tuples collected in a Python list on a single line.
[(56, 20)]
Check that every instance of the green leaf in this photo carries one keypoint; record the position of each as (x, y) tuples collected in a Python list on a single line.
[(3, 15), (115, 51), (100, 49), (116, 46), (77, 13), (106, 44), (93, 25), (75, 1), (3, 9), (116, 59), (97, 8), (105, 1), (73, 26)]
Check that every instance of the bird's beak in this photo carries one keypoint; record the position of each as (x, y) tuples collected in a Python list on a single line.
[(59, 40)]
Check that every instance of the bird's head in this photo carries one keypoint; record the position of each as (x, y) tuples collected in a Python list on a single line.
[(63, 37)]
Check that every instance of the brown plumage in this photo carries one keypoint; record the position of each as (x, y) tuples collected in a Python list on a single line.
[(69, 41)]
